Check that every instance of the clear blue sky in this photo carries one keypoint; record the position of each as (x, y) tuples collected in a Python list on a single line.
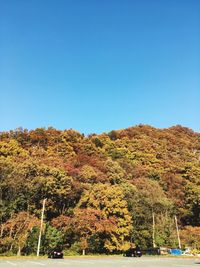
[(98, 65)]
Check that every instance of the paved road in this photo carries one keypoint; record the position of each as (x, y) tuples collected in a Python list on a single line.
[(103, 262)]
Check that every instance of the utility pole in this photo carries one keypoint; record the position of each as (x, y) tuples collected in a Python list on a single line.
[(153, 232), (41, 226), (177, 231)]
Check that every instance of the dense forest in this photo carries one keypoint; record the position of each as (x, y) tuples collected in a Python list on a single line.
[(103, 192)]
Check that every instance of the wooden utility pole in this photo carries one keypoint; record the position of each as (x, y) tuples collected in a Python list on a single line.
[(177, 231), (41, 226)]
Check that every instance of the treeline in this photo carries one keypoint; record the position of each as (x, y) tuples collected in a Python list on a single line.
[(102, 192)]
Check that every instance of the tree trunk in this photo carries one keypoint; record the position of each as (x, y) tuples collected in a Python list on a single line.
[(2, 228), (11, 246), (19, 251)]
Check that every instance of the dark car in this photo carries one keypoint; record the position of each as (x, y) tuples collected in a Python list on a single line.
[(133, 252), (55, 254)]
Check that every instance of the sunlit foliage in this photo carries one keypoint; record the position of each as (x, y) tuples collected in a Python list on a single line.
[(102, 191)]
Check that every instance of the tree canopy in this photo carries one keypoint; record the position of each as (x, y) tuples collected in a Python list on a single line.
[(101, 190)]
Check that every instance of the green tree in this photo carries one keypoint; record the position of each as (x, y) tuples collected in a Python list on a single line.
[(52, 238)]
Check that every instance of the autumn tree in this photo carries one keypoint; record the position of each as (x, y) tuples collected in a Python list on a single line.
[(190, 237), (135, 179), (14, 232), (150, 206), (110, 200)]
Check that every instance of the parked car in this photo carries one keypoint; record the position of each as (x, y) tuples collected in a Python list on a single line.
[(133, 252), (55, 254)]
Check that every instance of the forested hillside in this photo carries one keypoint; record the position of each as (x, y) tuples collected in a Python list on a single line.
[(102, 191)]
